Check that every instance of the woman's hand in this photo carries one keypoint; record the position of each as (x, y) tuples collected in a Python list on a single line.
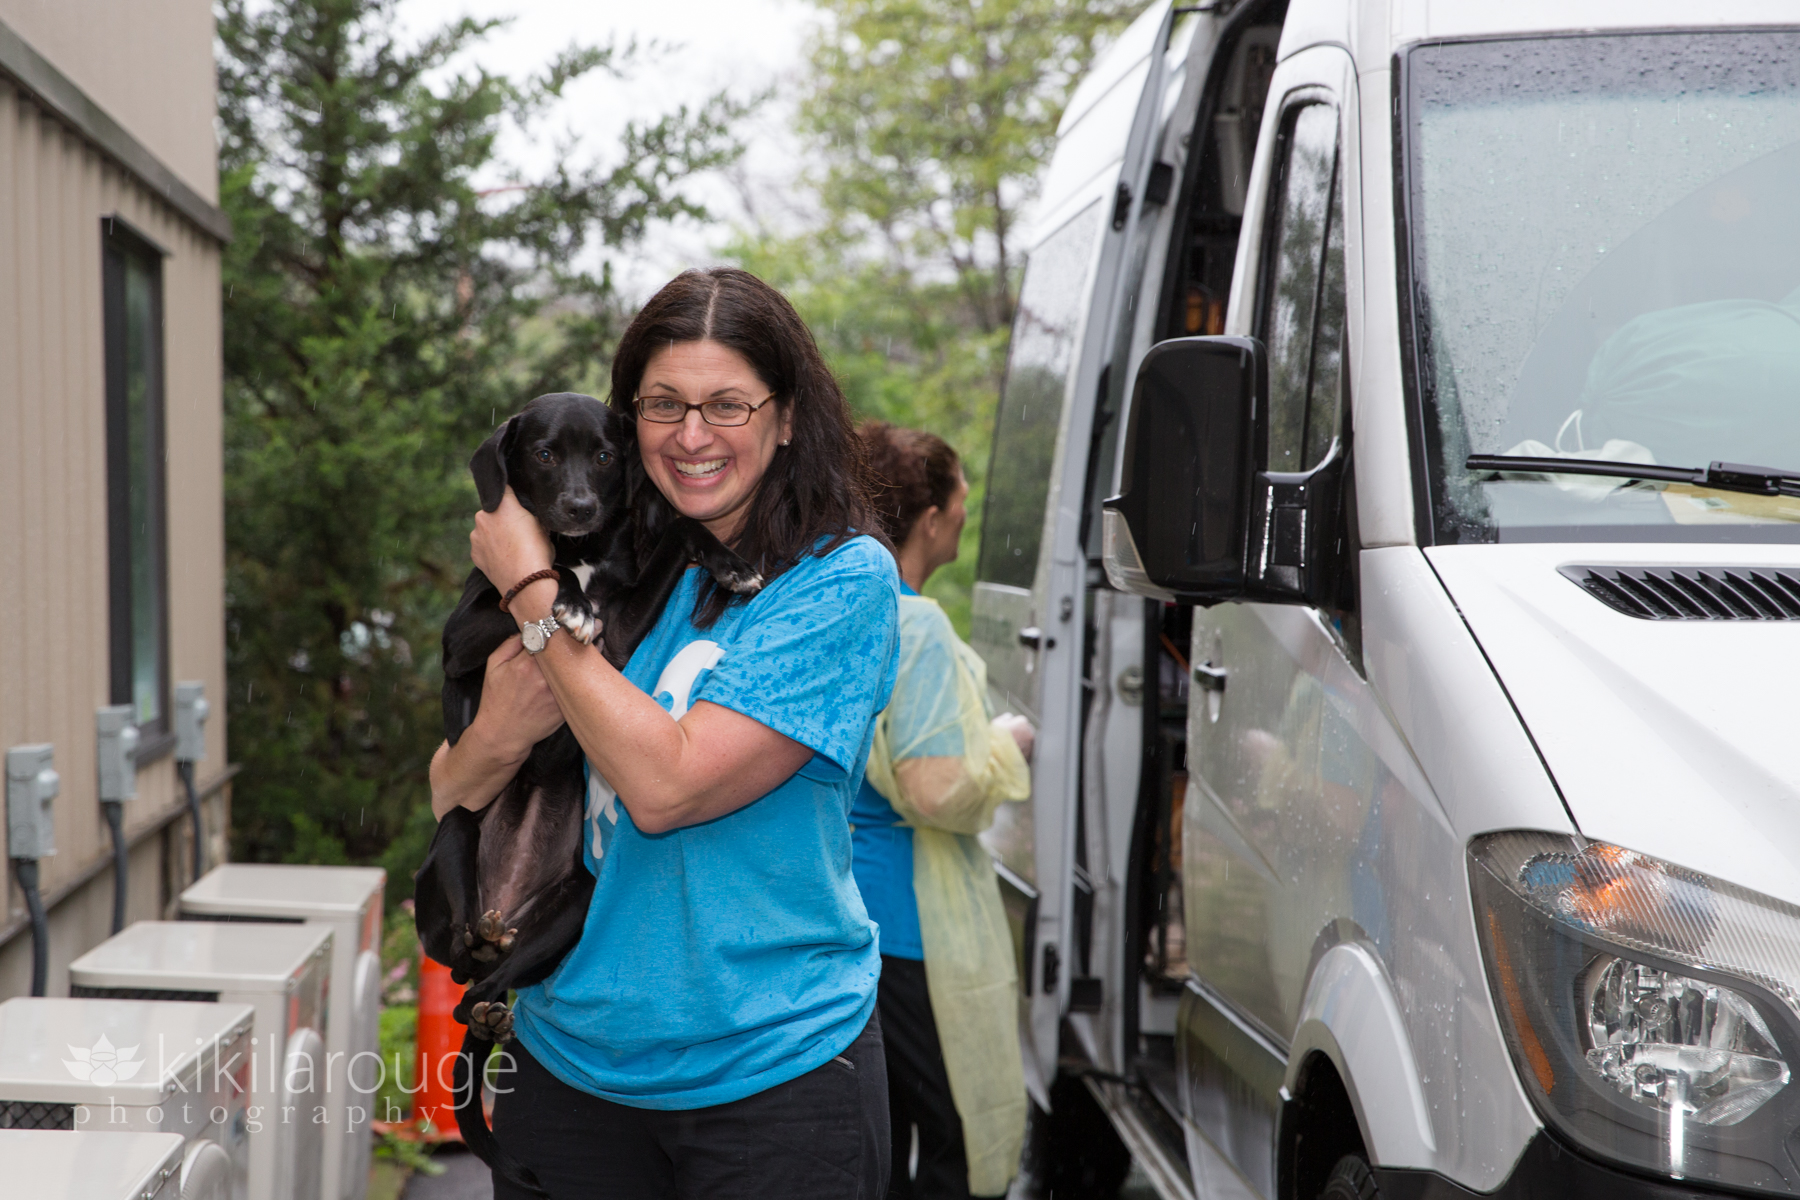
[(508, 544), (516, 700), (1020, 729), (517, 711)]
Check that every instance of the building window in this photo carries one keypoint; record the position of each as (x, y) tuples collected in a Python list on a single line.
[(135, 465)]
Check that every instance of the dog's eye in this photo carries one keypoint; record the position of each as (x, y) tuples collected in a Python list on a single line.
[(543, 456), (602, 458)]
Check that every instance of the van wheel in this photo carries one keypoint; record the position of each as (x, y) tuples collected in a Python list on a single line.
[(1073, 1152), (1350, 1179)]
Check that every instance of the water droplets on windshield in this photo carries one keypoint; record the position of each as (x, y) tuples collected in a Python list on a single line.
[(1604, 256)]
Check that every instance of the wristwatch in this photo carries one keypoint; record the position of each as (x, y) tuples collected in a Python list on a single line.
[(537, 634)]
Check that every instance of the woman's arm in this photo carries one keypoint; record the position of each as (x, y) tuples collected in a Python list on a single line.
[(517, 711), (667, 773)]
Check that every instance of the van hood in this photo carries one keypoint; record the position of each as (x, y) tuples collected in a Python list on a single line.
[(1677, 738)]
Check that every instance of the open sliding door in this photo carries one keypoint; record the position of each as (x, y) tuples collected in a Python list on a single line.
[(1028, 603)]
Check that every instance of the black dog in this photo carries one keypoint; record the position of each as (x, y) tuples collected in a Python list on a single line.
[(503, 893)]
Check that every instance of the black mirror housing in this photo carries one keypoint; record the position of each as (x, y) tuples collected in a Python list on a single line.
[(1178, 530), (1199, 518)]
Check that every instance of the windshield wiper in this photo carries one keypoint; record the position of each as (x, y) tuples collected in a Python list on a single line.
[(1728, 477)]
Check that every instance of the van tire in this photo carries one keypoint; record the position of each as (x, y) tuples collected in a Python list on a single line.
[(1350, 1179), (1073, 1152)]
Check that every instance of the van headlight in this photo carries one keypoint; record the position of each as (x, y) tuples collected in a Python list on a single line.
[(1653, 1012)]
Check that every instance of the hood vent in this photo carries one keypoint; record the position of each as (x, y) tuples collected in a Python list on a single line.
[(1694, 593)]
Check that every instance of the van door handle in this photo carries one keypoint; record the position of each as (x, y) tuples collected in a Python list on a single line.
[(1032, 638), (1209, 677)]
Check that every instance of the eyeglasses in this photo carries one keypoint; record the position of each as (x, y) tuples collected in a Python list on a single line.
[(665, 410)]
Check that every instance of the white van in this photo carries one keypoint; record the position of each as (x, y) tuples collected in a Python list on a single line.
[(1417, 802)]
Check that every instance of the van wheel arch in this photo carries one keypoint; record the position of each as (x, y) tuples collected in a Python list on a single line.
[(1318, 1127)]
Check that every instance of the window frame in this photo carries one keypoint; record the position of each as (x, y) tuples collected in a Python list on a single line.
[(120, 243), (1268, 253)]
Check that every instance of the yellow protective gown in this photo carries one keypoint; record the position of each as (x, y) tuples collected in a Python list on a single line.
[(941, 763)]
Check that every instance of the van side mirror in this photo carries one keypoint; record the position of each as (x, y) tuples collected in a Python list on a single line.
[(1178, 528), (1199, 518)]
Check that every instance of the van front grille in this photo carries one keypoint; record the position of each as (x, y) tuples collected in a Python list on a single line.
[(1694, 593), (25, 1114)]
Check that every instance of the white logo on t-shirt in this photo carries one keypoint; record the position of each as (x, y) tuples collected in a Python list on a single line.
[(677, 679)]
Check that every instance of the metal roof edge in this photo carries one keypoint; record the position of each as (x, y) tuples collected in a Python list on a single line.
[(60, 95)]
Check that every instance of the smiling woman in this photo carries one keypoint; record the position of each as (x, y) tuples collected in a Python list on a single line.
[(714, 1030)]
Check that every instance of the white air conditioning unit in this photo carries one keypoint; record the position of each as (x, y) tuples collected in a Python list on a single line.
[(71, 1066), (51, 1165), (283, 972), (348, 900)]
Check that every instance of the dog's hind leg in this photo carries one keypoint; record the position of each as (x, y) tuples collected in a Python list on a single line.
[(445, 892)]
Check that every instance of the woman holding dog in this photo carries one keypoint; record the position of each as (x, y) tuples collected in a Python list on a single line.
[(942, 762), (714, 1033)]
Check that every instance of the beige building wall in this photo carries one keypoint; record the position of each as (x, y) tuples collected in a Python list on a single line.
[(58, 183), (147, 63)]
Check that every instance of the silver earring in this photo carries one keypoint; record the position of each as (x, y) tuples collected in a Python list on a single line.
[(784, 441)]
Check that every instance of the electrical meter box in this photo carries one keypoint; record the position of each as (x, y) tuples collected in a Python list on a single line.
[(283, 972), (31, 784), (94, 1166), (348, 900), (130, 1066)]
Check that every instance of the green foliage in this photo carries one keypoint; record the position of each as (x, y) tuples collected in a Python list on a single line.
[(932, 120), (935, 117), (382, 312), (399, 1059)]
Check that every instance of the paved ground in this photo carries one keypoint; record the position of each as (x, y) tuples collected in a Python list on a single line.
[(467, 1179)]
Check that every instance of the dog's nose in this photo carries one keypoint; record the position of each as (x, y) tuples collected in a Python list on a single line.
[(582, 510)]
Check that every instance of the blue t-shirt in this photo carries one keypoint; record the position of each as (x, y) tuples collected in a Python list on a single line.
[(725, 958), (882, 858)]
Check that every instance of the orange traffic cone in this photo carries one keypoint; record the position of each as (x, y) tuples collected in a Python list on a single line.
[(440, 1039)]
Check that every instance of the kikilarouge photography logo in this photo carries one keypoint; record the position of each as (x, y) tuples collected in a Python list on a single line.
[(102, 1063)]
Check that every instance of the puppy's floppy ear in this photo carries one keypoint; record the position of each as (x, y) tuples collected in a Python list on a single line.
[(489, 465)]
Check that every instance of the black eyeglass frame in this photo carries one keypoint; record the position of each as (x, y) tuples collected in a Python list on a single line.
[(638, 403)]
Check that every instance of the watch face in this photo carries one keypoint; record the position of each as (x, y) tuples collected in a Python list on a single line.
[(534, 637)]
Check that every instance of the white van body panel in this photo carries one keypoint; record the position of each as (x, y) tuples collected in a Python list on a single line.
[(1445, 701), (1350, 1016), (1417, 20), (1396, 841), (1321, 23), (1384, 498), (1123, 56), (1359, 841), (1664, 736), (1090, 151)]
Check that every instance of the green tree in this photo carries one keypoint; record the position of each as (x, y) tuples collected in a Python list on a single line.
[(382, 312), (931, 120)]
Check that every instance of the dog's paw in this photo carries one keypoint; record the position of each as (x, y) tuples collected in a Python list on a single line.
[(744, 583), (582, 625), (495, 933), (491, 1020)]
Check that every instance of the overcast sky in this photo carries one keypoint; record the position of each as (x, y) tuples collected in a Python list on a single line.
[(744, 45)]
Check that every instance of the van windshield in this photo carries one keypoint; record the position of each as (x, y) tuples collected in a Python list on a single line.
[(1605, 264)]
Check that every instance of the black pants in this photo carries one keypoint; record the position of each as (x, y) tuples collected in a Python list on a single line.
[(918, 1089), (822, 1136)]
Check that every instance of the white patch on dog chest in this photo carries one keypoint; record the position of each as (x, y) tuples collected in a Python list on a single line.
[(583, 573)]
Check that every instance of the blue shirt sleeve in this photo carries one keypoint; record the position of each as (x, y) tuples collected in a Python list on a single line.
[(814, 657)]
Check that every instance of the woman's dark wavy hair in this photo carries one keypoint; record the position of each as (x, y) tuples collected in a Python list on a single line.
[(815, 494), (910, 471)]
